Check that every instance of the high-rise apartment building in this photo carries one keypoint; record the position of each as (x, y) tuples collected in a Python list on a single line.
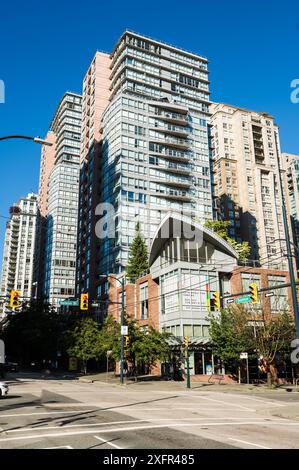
[(155, 148), (292, 166), (246, 152), (46, 165), (61, 205), (95, 99), (19, 247)]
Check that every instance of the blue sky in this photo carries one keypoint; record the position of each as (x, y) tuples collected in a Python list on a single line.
[(46, 47)]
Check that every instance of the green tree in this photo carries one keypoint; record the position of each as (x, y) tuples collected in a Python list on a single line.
[(220, 227), (271, 336), (32, 334), (145, 346), (84, 341), (230, 335), (138, 257)]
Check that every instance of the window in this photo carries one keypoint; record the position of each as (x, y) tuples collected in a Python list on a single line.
[(144, 301)]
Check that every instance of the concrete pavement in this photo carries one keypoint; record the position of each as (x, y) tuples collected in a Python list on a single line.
[(43, 413)]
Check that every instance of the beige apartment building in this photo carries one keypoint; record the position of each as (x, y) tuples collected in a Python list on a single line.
[(292, 191), (46, 165), (246, 158), (19, 251), (95, 99)]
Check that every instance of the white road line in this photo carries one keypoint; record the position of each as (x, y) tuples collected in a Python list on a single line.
[(42, 413), (227, 403), (107, 442), (249, 443), (274, 403), (139, 428), (60, 447), (110, 423)]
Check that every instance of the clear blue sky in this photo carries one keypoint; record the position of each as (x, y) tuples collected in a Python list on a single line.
[(46, 47)]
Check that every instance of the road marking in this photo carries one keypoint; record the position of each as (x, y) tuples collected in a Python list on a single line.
[(60, 447), (273, 403), (43, 413), (227, 403), (107, 442), (215, 401), (144, 428), (110, 423), (249, 443)]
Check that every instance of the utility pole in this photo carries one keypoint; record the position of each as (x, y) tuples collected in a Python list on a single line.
[(288, 243), (122, 318)]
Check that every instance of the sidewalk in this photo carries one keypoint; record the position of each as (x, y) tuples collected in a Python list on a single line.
[(158, 383)]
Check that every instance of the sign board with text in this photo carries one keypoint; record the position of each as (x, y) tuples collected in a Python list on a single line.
[(244, 355), (124, 330)]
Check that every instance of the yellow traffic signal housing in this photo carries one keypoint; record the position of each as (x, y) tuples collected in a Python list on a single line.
[(253, 293), (84, 302), (186, 341), (216, 297), (14, 299), (127, 341)]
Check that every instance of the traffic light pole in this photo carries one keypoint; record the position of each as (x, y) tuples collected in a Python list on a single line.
[(122, 319), (188, 369), (288, 243)]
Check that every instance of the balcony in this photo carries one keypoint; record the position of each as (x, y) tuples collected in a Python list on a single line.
[(176, 143)]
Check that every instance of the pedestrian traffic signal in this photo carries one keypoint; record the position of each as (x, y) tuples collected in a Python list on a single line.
[(14, 299), (84, 302), (127, 341), (216, 297), (253, 293)]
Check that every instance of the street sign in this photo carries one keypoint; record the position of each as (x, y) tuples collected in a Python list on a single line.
[(69, 303), (269, 294), (244, 355), (2, 352), (124, 330), (94, 304), (230, 301), (242, 300)]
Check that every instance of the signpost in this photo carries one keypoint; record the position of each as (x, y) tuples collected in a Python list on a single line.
[(244, 355), (69, 303), (244, 299), (124, 330)]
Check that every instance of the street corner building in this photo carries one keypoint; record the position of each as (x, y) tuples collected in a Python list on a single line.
[(184, 273)]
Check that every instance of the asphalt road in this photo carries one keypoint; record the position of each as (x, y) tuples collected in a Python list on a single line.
[(50, 414)]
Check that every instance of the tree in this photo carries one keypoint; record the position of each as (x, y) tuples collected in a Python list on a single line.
[(32, 334), (84, 341), (230, 335), (145, 346), (138, 257), (220, 227), (272, 336)]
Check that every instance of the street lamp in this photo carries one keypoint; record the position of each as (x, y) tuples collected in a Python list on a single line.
[(122, 318), (37, 140)]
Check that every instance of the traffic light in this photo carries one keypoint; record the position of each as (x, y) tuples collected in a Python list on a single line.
[(216, 297), (127, 341), (253, 293), (186, 343), (84, 302), (14, 299)]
